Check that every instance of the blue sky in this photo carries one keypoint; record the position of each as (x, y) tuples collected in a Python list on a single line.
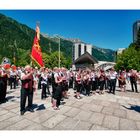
[(110, 29)]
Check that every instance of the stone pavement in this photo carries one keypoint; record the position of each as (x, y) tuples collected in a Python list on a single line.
[(97, 112)]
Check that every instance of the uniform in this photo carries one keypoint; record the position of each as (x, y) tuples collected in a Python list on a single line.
[(13, 76), (26, 91), (133, 81), (113, 78), (3, 86), (44, 85)]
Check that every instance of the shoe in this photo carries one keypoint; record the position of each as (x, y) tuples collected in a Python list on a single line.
[(22, 113), (79, 97), (56, 108), (31, 110)]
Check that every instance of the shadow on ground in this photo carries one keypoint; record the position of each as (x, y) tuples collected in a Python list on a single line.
[(133, 107), (39, 107), (9, 92), (10, 97)]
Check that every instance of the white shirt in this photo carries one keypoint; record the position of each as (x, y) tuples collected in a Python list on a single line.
[(113, 75), (93, 76), (55, 75), (44, 79), (13, 73)]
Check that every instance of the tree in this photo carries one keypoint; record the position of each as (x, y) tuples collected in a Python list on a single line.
[(129, 59)]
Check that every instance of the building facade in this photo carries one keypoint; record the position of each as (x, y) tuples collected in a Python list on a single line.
[(79, 49), (82, 55), (120, 50), (136, 27)]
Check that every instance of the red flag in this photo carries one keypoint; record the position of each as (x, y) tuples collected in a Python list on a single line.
[(36, 54)]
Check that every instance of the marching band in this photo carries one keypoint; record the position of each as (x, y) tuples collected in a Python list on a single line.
[(60, 80)]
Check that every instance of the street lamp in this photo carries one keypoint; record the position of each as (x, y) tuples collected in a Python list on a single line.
[(58, 50)]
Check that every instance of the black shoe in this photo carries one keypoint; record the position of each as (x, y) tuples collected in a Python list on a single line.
[(22, 113), (31, 110), (3, 101)]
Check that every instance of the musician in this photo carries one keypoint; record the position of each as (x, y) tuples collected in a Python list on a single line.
[(13, 78), (57, 93), (71, 79), (65, 79), (113, 77), (3, 84), (78, 84), (39, 77), (44, 82), (86, 82), (122, 80), (133, 80), (102, 78), (27, 89), (93, 81), (107, 80), (19, 71)]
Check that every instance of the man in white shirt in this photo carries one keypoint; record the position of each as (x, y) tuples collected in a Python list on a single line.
[(27, 89), (13, 76), (113, 78)]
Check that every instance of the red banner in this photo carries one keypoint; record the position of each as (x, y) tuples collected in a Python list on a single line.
[(36, 54)]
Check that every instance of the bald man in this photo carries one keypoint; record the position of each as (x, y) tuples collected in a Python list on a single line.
[(27, 89)]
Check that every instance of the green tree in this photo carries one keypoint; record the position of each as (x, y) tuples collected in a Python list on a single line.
[(129, 59)]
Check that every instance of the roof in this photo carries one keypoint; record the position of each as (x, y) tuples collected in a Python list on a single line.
[(86, 58)]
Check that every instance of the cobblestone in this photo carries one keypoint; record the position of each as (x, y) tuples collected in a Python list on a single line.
[(97, 112)]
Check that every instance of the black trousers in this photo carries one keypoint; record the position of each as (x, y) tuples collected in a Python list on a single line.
[(1, 90), (43, 93), (94, 85), (58, 95), (53, 87), (48, 89), (134, 84), (87, 88), (71, 82), (112, 85), (108, 83), (24, 94), (97, 83), (102, 83), (13, 80), (39, 82)]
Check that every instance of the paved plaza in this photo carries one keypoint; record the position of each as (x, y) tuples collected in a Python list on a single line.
[(97, 112)]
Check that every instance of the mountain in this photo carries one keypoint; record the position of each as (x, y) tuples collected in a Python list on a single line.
[(16, 40), (103, 54)]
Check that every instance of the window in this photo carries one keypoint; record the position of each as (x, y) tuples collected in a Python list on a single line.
[(85, 48), (79, 50)]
